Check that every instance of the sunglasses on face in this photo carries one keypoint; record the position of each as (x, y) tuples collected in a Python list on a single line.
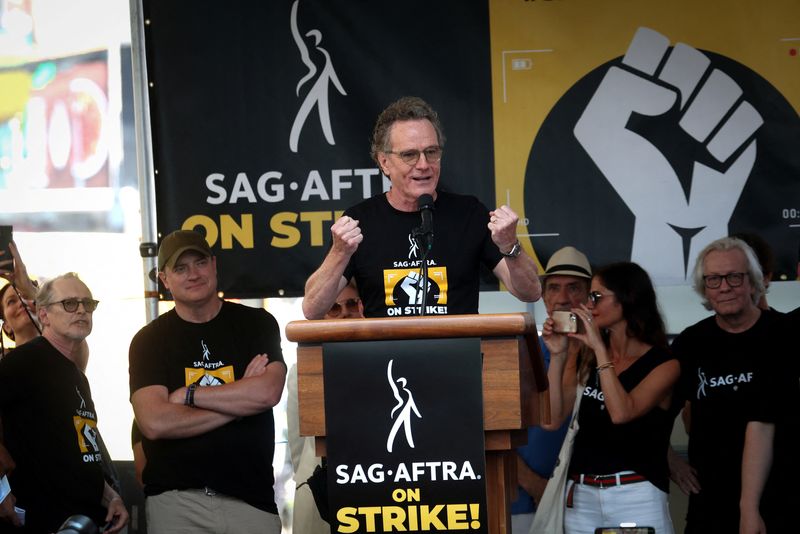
[(349, 304), (71, 305), (595, 296)]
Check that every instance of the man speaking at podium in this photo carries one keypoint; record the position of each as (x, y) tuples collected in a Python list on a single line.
[(387, 242)]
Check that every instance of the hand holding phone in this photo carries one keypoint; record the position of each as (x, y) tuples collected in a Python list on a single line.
[(564, 322), (6, 235), (6, 258)]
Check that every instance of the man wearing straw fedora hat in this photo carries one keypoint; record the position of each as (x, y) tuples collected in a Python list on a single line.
[(566, 283)]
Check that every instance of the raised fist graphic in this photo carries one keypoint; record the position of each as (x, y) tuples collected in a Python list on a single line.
[(672, 223)]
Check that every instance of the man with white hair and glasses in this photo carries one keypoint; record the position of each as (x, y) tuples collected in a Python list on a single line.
[(728, 363), (50, 421)]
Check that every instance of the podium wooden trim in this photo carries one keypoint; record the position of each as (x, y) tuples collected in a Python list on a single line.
[(514, 383)]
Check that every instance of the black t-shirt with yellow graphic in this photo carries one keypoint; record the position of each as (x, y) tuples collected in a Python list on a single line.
[(235, 459), (387, 263), (50, 429)]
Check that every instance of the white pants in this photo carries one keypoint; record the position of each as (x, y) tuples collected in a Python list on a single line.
[(641, 503)]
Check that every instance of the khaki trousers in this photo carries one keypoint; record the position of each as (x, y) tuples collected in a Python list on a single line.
[(198, 511)]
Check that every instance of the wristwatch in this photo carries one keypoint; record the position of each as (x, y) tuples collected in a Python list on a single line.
[(515, 251), (189, 401)]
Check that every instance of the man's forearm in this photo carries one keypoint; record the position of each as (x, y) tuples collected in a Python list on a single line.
[(160, 419), (523, 278), (177, 422), (324, 285), (108, 495), (246, 396), (756, 463), (530, 480)]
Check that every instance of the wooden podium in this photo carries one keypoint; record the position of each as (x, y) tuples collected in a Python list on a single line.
[(514, 384)]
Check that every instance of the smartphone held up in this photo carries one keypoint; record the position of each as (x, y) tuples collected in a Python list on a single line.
[(6, 235), (565, 322)]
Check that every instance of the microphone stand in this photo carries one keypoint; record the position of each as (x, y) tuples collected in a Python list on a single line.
[(424, 242)]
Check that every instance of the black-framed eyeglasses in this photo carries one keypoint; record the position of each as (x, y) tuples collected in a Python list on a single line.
[(71, 305), (595, 296), (713, 281), (433, 154), (349, 304)]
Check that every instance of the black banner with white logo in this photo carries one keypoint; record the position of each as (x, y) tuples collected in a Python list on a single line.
[(262, 114), (644, 148), (404, 423)]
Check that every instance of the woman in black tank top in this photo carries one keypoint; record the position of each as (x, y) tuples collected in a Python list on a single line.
[(618, 468)]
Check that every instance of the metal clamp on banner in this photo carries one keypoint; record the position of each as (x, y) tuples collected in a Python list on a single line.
[(148, 250)]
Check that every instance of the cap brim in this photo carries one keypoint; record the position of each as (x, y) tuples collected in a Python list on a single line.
[(177, 254)]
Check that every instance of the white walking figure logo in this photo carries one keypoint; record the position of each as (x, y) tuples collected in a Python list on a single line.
[(701, 388), (404, 417), (83, 402), (318, 94), (412, 250), (206, 351)]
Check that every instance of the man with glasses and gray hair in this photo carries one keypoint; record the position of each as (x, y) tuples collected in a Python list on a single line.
[(377, 241), (728, 362), (566, 283), (50, 421)]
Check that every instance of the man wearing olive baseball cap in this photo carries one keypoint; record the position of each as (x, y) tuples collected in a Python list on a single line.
[(177, 243), (203, 379), (565, 285)]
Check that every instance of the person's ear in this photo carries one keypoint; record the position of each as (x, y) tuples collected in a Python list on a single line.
[(43, 318), (163, 277), (382, 160)]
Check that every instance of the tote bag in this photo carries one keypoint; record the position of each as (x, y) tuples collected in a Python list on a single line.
[(549, 518)]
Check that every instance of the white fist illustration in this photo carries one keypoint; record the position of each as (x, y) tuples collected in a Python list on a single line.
[(671, 226), (411, 286)]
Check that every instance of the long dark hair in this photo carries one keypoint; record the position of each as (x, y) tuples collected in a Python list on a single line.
[(634, 290)]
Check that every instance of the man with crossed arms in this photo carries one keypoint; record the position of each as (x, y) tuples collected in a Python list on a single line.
[(204, 378)]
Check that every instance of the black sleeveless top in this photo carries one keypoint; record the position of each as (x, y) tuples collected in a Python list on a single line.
[(603, 448)]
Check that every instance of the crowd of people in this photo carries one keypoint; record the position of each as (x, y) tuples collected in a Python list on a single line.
[(205, 376)]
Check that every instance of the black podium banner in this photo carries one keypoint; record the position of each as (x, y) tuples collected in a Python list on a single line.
[(405, 445)]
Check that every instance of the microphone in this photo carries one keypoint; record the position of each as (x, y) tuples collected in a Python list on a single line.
[(424, 238), (425, 206)]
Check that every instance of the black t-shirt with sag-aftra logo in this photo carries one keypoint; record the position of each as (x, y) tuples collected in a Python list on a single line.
[(723, 376), (387, 263), (234, 459)]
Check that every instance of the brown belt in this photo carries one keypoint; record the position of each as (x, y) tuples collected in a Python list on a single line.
[(608, 481)]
